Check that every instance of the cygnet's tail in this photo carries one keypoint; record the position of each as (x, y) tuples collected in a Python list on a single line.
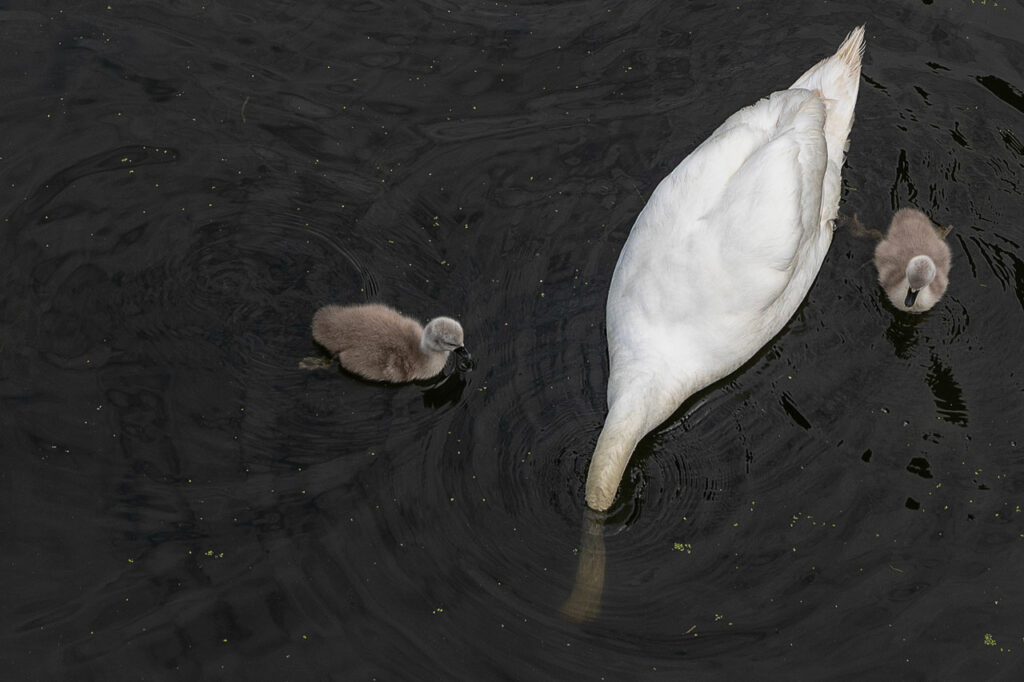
[(837, 80)]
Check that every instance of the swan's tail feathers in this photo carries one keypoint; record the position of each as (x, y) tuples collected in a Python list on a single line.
[(623, 429), (837, 70), (836, 80), (852, 49)]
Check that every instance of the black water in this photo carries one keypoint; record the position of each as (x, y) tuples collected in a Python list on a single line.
[(185, 182)]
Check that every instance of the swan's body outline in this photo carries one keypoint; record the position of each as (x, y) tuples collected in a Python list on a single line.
[(739, 230)]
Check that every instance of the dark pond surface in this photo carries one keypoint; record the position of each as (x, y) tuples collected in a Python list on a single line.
[(185, 182)]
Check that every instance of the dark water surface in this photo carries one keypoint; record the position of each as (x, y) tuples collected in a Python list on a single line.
[(185, 182)]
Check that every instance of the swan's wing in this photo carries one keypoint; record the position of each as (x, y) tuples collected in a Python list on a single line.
[(741, 203), (723, 233), (671, 230), (770, 211)]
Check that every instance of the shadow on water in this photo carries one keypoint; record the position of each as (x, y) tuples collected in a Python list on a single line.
[(447, 392), (902, 330)]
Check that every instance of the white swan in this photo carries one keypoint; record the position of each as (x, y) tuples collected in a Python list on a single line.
[(722, 254), (913, 261), (378, 343)]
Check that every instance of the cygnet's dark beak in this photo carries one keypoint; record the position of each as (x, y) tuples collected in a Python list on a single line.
[(911, 297), (463, 360)]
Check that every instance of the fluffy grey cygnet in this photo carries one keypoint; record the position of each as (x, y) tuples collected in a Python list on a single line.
[(913, 261), (376, 342)]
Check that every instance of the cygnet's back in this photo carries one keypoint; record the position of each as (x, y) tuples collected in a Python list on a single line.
[(375, 342), (913, 249)]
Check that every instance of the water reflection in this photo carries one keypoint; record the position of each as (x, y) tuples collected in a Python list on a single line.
[(902, 330), (949, 398), (447, 392)]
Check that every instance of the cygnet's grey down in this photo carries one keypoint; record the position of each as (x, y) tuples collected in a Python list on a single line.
[(913, 261), (378, 343)]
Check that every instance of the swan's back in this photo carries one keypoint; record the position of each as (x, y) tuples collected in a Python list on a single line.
[(711, 238), (722, 254)]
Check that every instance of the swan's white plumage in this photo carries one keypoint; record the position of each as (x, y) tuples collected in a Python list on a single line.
[(722, 254)]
